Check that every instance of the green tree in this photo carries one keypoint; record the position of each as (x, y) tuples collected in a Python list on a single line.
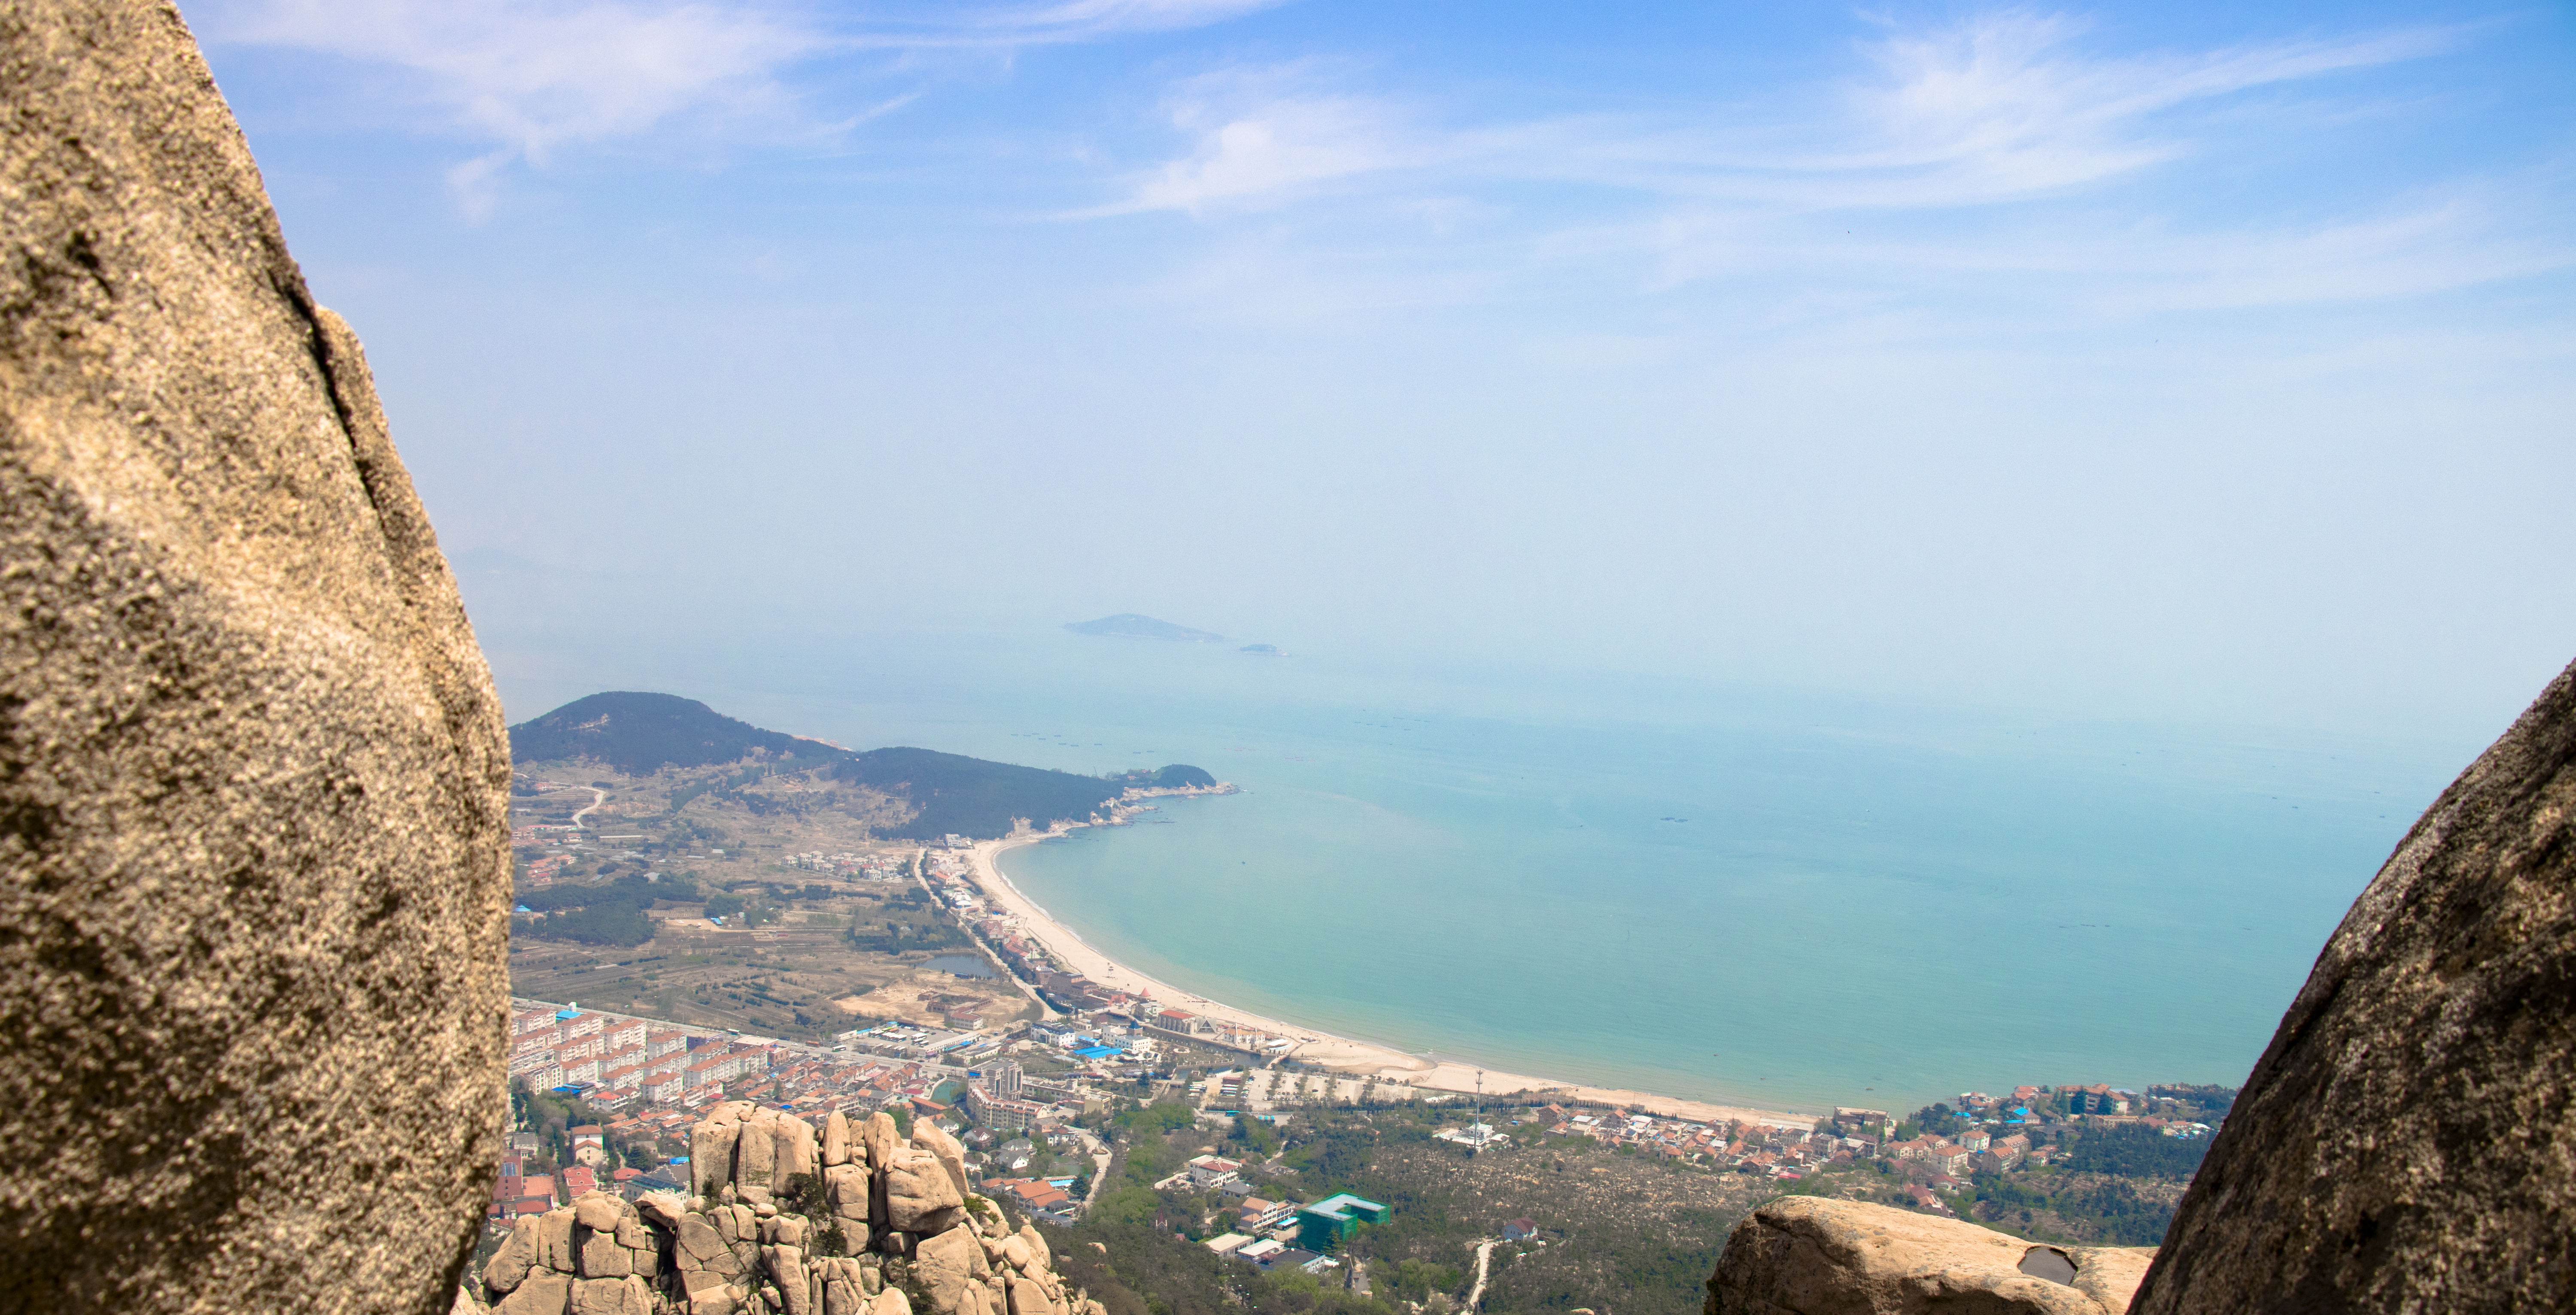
[(1257, 1138)]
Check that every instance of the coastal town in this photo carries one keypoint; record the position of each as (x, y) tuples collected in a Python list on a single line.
[(816, 972), (1029, 1103), (1029, 1095)]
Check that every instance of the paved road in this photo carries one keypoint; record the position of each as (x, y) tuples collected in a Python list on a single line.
[(1047, 1013)]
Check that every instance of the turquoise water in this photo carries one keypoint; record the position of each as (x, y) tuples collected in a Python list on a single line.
[(1789, 900)]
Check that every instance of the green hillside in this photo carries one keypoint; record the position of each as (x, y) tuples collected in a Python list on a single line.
[(1176, 776), (640, 734), (973, 797)]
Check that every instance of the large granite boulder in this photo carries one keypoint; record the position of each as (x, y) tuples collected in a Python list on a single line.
[(931, 1137), (253, 778), (1804, 1255), (713, 1143), (920, 1197), (2406, 1142)]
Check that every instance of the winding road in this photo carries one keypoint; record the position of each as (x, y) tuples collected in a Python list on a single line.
[(598, 797)]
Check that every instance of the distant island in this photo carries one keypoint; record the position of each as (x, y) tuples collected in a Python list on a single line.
[(1128, 625), (1263, 650)]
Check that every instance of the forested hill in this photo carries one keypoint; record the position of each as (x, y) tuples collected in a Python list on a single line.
[(973, 797), (641, 734)]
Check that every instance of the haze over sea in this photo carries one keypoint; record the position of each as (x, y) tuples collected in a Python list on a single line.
[(1777, 898)]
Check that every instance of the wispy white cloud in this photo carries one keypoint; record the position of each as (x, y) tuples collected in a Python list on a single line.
[(532, 77), (2008, 105), (1263, 137), (1997, 108), (1089, 19), (1923, 167), (2404, 246)]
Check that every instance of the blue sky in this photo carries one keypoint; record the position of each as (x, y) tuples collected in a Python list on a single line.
[(2199, 362)]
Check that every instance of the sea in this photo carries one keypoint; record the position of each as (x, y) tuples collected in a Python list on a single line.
[(1778, 898)]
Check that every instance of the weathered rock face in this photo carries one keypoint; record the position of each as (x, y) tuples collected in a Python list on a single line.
[(920, 1196), (253, 780), (723, 1253), (2406, 1143), (1817, 1257)]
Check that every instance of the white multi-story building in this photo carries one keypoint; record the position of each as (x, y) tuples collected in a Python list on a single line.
[(1004, 1113), (1003, 1077)]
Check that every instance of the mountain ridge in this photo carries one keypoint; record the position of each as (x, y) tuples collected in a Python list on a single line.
[(640, 733)]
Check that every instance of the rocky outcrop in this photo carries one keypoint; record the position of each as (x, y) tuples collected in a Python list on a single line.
[(253, 781), (754, 1150), (784, 1225), (2406, 1142), (1809, 1256)]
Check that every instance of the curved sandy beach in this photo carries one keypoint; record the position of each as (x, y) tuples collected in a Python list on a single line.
[(1315, 1046)]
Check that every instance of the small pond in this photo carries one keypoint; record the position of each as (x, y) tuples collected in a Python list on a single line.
[(963, 965)]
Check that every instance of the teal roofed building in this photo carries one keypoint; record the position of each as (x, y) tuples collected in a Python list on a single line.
[(1325, 1225)]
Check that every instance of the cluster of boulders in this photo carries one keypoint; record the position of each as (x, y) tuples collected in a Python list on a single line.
[(853, 1220)]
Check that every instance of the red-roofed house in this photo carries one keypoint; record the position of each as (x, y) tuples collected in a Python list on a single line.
[(1032, 1193)]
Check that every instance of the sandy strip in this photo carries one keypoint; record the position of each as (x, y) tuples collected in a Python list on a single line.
[(1339, 1053)]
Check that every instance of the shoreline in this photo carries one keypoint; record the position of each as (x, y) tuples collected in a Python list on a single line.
[(1342, 1054)]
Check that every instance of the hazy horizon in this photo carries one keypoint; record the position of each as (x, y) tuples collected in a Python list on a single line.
[(2150, 363)]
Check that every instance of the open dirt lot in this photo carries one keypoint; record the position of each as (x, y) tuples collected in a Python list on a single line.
[(829, 952)]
